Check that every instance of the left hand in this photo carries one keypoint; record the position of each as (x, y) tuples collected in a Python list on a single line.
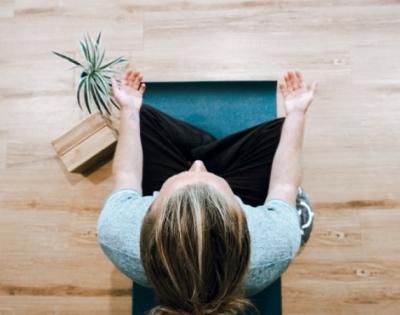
[(130, 94)]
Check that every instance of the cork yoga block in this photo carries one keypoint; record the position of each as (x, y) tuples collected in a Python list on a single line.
[(86, 144)]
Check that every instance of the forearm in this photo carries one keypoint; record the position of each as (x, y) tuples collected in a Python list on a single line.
[(128, 158), (286, 167)]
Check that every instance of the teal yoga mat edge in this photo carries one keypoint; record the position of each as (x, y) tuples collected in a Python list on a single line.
[(211, 81), (242, 104)]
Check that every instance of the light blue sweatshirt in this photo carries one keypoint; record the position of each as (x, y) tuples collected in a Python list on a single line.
[(274, 233)]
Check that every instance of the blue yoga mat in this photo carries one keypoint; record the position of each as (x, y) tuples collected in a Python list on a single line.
[(221, 108)]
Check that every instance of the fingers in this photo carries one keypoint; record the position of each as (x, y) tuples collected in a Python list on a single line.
[(288, 83), (296, 80), (125, 80), (127, 74), (142, 88), (293, 81), (133, 79), (299, 79), (283, 89), (133, 76), (137, 81)]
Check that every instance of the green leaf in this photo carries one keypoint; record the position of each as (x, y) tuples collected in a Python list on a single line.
[(67, 58), (111, 71), (93, 61), (86, 95), (104, 84), (100, 99), (103, 52), (78, 94), (115, 61), (84, 50), (96, 101), (98, 38), (88, 49), (100, 51), (106, 94), (114, 103)]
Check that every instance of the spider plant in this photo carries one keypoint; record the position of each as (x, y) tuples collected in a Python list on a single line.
[(95, 78)]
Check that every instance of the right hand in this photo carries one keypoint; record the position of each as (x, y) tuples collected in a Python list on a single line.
[(297, 95), (130, 94)]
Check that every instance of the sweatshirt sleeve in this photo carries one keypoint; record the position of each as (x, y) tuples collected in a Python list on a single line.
[(118, 232), (286, 224), (276, 237)]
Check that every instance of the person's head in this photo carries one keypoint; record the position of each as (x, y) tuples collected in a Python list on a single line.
[(195, 246)]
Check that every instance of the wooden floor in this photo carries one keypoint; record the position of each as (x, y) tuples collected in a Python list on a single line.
[(50, 262)]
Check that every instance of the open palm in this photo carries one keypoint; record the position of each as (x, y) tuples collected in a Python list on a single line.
[(130, 94), (296, 94)]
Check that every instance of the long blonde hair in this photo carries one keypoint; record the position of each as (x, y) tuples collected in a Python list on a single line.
[(195, 251)]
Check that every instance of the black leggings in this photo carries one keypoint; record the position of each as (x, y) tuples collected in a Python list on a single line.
[(243, 159)]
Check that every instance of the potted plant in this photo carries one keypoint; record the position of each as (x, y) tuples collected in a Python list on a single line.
[(94, 138)]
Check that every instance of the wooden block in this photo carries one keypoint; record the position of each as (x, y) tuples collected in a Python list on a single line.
[(86, 144)]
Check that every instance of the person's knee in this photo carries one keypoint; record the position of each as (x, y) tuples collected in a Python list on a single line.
[(273, 125), (147, 112), (145, 108)]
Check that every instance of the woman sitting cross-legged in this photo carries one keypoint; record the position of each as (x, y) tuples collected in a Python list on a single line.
[(205, 222)]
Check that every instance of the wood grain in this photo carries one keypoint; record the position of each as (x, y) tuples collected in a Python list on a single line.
[(50, 261)]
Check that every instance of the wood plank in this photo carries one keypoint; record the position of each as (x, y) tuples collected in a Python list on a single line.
[(342, 260), (54, 264)]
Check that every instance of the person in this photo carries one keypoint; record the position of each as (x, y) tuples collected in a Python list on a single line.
[(205, 222)]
